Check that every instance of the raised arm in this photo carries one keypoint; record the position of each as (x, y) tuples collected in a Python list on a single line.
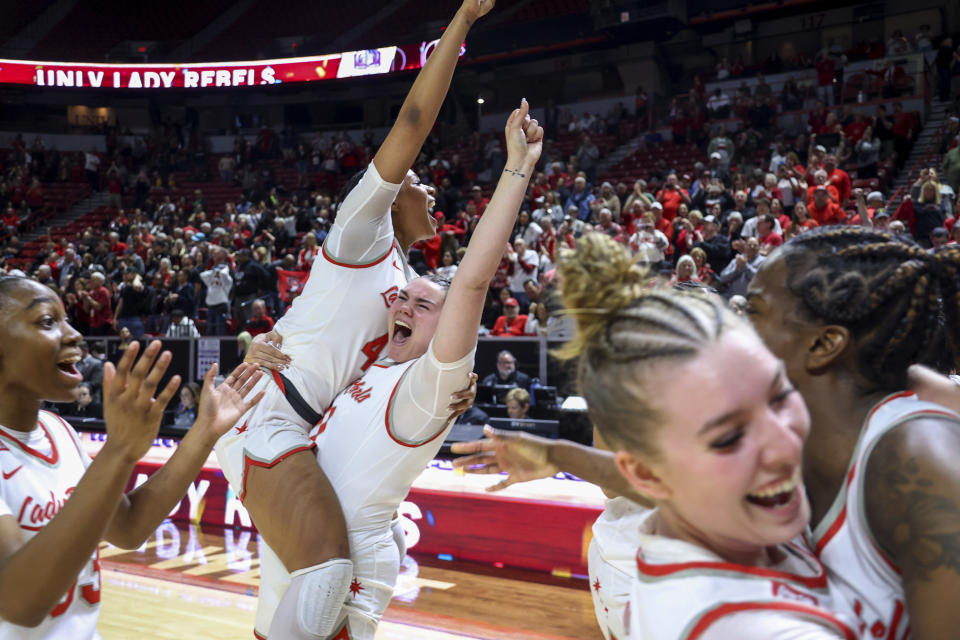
[(420, 109), (457, 330)]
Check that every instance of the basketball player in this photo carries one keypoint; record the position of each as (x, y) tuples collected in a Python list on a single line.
[(333, 333), (55, 503), (380, 433), (849, 309), (716, 555)]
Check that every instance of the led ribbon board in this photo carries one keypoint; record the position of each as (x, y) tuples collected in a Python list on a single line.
[(202, 75)]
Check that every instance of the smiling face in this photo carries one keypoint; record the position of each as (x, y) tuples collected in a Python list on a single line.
[(728, 467), (412, 209), (413, 319), (38, 347)]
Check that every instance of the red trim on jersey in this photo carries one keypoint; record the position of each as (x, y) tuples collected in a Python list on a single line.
[(841, 518), (386, 421), (70, 433), (661, 570), (258, 636), (381, 366), (897, 614), (54, 456), (250, 462), (356, 266), (279, 381), (794, 607)]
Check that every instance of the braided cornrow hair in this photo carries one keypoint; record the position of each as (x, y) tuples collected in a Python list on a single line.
[(623, 328), (899, 301)]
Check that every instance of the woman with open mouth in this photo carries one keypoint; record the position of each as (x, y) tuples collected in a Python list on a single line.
[(55, 503), (721, 554)]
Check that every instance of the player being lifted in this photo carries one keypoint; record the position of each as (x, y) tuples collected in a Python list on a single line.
[(333, 333), (379, 434)]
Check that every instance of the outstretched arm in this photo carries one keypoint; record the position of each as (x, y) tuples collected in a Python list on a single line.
[(420, 109), (457, 330), (525, 457), (142, 510)]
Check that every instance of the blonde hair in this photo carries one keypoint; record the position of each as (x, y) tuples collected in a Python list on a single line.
[(623, 330), (936, 190), (518, 395)]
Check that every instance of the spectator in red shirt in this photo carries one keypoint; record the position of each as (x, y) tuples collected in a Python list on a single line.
[(307, 253), (802, 215), (671, 197), (96, 302), (476, 195), (766, 234), (512, 322), (837, 177), (820, 180), (822, 210), (10, 219), (35, 195), (826, 66), (854, 130), (260, 322)]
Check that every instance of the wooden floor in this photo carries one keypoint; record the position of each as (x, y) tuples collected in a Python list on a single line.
[(188, 582)]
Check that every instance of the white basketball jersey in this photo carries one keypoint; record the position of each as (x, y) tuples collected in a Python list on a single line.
[(612, 563), (868, 579), (682, 591), (337, 327), (38, 477), (370, 466)]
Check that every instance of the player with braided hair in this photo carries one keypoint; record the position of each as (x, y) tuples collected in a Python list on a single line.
[(718, 554), (849, 310)]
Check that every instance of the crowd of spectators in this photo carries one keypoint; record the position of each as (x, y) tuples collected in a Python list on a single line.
[(168, 264)]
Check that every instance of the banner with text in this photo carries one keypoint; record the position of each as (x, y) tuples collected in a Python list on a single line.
[(203, 75)]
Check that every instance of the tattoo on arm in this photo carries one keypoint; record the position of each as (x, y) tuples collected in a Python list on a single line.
[(913, 513), (515, 172)]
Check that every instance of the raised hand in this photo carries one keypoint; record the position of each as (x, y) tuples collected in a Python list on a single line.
[(522, 456), (221, 406), (524, 137), (474, 9), (131, 413), (265, 352)]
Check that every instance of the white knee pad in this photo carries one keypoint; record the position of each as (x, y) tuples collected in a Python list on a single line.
[(322, 591), (400, 537)]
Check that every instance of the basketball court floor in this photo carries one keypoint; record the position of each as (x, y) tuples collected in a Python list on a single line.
[(199, 582)]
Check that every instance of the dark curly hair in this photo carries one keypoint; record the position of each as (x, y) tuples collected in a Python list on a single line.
[(900, 302)]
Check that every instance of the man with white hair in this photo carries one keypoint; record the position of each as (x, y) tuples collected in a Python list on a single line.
[(605, 223), (737, 275), (580, 199), (96, 302)]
